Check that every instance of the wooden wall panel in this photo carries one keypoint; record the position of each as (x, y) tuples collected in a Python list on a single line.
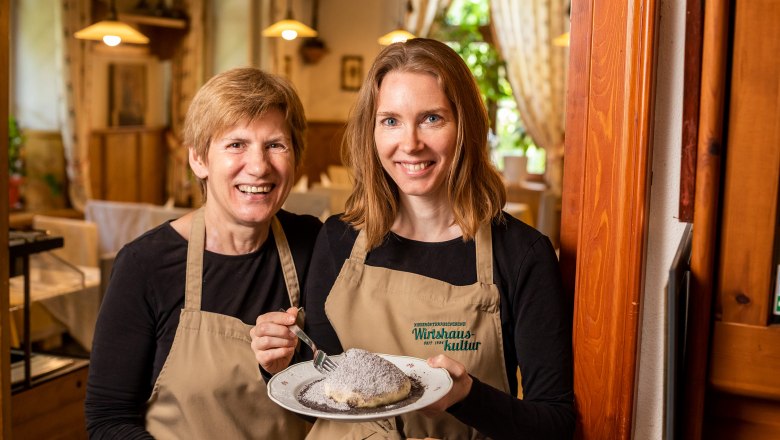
[(53, 409), (128, 165), (732, 417), (151, 179), (96, 167), (746, 360), (323, 148), (611, 213), (121, 167), (753, 167)]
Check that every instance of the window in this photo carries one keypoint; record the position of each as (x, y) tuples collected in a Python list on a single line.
[(466, 28)]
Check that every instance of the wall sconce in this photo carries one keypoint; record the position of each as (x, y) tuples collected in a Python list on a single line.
[(400, 34), (112, 31), (289, 28)]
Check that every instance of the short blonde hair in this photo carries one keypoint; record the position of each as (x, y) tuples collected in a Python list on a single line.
[(474, 186), (241, 94)]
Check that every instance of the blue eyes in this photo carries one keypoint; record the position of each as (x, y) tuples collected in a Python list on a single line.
[(428, 119)]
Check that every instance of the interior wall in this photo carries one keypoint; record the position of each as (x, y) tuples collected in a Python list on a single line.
[(349, 28), (231, 27), (34, 82), (665, 230)]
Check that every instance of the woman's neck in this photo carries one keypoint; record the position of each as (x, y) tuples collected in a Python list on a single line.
[(226, 238), (423, 220)]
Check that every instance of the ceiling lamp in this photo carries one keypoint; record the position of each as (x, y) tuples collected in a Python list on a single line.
[(400, 34), (112, 31), (562, 40), (289, 28), (396, 36)]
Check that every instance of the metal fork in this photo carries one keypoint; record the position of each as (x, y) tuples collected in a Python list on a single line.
[(322, 362)]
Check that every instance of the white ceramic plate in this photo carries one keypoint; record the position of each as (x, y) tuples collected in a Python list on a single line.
[(285, 387)]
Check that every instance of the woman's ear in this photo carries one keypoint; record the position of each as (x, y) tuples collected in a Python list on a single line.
[(198, 165)]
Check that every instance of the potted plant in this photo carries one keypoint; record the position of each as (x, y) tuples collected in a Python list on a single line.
[(16, 169)]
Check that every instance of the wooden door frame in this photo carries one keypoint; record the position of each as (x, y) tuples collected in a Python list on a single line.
[(5, 341), (606, 195)]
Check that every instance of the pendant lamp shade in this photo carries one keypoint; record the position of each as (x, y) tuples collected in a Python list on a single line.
[(399, 35), (112, 31), (289, 28), (396, 36)]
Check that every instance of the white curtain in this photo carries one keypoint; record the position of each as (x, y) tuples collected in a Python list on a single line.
[(536, 69), (73, 102), (420, 14)]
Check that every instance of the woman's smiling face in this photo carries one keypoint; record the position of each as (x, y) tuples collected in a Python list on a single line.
[(250, 169), (415, 134)]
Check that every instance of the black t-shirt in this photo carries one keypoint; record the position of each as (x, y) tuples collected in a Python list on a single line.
[(535, 319), (140, 313)]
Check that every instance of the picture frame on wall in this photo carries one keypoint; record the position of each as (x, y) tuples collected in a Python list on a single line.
[(351, 72), (127, 97)]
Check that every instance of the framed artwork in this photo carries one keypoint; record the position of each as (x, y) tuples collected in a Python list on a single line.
[(351, 72), (127, 86)]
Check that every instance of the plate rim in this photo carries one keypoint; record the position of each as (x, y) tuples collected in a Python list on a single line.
[(359, 417)]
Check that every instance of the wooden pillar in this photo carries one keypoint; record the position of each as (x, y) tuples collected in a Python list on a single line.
[(605, 204)]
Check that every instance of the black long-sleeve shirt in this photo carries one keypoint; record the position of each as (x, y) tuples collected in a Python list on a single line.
[(535, 320), (140, 313)]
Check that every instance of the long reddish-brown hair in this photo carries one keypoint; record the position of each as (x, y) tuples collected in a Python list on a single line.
[(474, 187)]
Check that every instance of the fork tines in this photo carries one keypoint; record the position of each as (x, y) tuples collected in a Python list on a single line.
[(323, 362), (329, 365)]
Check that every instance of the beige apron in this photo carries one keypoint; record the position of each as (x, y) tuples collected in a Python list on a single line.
[(402, 313), (210, 386)]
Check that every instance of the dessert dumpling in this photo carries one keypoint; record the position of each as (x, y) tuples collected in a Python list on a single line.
[(365, 380)]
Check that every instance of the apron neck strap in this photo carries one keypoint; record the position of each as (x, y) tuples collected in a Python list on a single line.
[(288, 266), (196, 246), (194, 278), (483, 243), (358, 253)]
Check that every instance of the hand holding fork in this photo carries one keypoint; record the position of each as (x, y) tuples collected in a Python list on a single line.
[(274, 345), (322, 362)]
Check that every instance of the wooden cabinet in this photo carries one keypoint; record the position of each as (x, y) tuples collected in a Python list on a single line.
[(744, 386), (128, 164), (53, 409)]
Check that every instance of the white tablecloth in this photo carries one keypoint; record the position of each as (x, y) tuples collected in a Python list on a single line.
[(60, 291), (121, 222)]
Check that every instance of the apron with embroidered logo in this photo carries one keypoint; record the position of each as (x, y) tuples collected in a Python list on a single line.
[(402, 313), (210, 385)]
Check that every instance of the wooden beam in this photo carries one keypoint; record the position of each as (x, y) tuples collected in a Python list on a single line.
[(694, 23), (703, 248), (576, 137), (606, 190)]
